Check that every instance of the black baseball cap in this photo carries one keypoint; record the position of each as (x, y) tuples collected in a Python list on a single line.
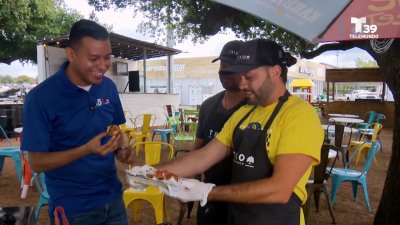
[(229, 52), (259, 52)]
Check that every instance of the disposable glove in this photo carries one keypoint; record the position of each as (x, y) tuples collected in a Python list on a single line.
[(188, 190)]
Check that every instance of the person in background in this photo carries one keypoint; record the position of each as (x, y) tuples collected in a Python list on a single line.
[(274, 141), (65, 119), (213, 114)]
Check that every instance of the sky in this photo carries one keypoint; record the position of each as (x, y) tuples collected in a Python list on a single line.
[(123, 23)]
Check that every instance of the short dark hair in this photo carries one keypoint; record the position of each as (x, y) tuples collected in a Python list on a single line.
[(86, 28)]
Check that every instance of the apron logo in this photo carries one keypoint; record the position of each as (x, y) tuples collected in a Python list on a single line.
[(254, 126), (250, 160), (240, 159)]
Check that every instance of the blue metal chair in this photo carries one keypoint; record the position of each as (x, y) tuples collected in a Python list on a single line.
[(340, 175), (369, 117), (42, 189), (12, 152), (165, 133)]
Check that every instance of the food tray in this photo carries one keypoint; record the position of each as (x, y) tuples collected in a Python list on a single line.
[(140, 179)]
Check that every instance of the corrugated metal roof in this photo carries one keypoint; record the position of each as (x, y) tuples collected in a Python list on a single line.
[(124, 47)]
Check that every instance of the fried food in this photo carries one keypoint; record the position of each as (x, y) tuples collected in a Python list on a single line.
[(163, 175), (113, 130)]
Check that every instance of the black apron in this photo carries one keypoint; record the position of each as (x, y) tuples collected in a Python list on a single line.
[(251, 162), (215, 213)]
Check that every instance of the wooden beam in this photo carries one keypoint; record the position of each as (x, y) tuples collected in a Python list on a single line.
[(354, 75)]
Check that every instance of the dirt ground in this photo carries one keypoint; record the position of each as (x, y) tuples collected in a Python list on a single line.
[(345, 209)]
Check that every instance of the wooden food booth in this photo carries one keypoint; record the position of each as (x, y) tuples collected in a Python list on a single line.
[(360, 106)]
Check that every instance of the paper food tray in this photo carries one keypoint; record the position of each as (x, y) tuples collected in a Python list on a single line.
[(145, 180)]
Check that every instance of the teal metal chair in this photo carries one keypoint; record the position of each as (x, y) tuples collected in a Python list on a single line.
[(13, 152), (340, 175), (369, 118), (165, 133), (42, 189)]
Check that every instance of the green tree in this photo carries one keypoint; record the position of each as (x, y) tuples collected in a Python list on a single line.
[(360, 63), (25, 22), (6, 79), (24, 79), (200, 19)]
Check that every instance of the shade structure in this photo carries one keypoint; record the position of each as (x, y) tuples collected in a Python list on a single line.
[(124, 47), (308, 19), (366, 19), (302, 83), (327, 20)]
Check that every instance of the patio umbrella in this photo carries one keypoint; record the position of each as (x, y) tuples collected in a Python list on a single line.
[(366, 19), (323, 21)]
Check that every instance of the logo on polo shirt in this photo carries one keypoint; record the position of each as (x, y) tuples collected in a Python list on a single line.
[(102, 101)]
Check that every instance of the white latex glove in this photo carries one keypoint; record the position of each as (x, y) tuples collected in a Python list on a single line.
[(139, 171), (188, 190)]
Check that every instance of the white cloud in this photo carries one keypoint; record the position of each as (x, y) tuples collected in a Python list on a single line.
[(16, 68), (342, 59)]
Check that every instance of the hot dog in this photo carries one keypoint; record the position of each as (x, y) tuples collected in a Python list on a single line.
[(163, 175)]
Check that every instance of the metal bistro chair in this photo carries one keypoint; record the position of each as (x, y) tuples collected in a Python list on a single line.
[(152, 194), (165, 133), (180, 136), (318, 184), (43, 194), (364, 144), (143, 124), (340, 175), (13, 152)]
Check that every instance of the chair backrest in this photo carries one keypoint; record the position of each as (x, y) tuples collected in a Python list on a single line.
[(377, 127), (144, 121), (320, 174), (169, 110), (373, 146), (40, 181), (152, 151), (173, 122), (379, 118), (5, 135), (369, 117), (190, 113)]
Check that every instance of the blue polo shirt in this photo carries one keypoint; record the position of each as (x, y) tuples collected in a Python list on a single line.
[(59, 116)]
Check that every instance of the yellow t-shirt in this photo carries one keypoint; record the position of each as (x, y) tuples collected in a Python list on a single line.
[(295, 129)]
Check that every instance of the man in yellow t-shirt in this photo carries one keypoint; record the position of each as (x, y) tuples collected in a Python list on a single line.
[(275, 140)]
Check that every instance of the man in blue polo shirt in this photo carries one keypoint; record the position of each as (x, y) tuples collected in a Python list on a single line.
[(65, 119)]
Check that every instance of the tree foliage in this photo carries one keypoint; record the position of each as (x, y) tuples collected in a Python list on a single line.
[(8, 79), (201, 19), (24, 79), (25, 22), (360, 63)]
